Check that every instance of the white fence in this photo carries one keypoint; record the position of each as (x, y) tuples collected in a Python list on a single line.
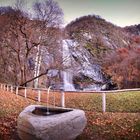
[(15, 89)]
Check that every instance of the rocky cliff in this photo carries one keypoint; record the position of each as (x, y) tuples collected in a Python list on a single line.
[(90, 38)]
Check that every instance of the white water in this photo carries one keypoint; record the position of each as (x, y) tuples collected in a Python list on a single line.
[(48, 95), (67, 74), (68, 83), (86, 66)]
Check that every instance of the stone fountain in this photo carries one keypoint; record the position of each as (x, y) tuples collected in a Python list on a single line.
[(35, 123)]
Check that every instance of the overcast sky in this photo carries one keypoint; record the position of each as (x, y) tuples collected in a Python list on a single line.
[(119, 12)]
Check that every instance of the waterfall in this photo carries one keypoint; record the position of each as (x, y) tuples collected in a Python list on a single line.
[(68, 83), (87, 67), (84, 66), (67, 73)]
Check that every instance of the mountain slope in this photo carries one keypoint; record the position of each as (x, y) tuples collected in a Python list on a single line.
[(92, 38), (97, 35), (134, 29)]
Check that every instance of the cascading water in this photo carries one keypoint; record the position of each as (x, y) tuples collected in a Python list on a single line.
[(84, 63), (67, 73), (48, 94), (67, 79)]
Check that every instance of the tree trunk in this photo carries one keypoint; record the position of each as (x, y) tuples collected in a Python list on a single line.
[(37, 66), (34, 78)]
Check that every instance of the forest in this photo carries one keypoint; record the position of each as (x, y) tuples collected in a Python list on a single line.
[(31, 46)]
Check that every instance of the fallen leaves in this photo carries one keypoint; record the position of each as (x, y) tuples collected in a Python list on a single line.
[(112, 126), (101, 126), (10, 107)]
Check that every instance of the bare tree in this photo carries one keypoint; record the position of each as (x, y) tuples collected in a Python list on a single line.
[(20, 5), (50, 16), (33, 45), (49, 13)]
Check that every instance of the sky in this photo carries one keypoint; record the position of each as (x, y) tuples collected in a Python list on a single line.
[(119, 12)]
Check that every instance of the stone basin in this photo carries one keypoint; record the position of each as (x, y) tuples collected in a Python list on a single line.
[(34, 123)]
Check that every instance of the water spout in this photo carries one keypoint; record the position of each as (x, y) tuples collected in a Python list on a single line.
[(48, 94)]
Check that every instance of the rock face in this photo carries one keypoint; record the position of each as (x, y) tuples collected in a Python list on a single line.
[(63, 126)]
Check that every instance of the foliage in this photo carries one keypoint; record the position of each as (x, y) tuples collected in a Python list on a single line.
[(123, 65)]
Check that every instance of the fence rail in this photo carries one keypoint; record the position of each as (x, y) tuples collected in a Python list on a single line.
[(15, 89)]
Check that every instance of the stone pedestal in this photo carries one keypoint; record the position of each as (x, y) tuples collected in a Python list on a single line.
[(63, 126)]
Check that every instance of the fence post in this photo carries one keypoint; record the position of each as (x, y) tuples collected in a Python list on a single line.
[(11, 88), (16, 90), (39, 95), (4, 87), (103, 102), (7, 88), (54, 99), (62, 99), (25, 92)]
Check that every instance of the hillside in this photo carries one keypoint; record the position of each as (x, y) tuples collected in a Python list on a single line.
[(93, 38), (134, 29), (97, 35)]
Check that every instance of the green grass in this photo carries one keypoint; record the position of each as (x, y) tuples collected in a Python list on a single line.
[(115, 102), (88, 102), (123, 102)]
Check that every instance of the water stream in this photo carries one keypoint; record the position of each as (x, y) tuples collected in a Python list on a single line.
[(48, 95)]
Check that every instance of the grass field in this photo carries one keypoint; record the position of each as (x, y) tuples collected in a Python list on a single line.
[(121, 121)]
